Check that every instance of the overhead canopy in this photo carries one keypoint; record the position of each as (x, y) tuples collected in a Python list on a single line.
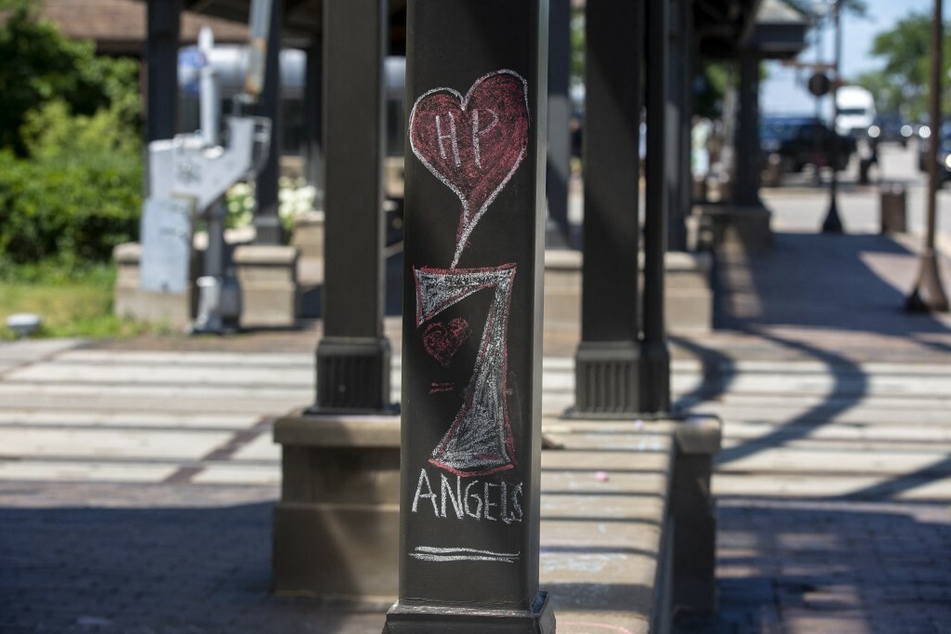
[(768, 28), (780, 30), (723, 27), (303, 19)]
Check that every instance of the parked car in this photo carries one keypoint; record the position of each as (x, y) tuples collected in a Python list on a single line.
[(797, 141), (890, 128)]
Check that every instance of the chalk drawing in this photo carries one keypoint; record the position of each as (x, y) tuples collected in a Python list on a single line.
[(431, 553), (479, 440), (442, 341), (478, 500), (473, 143)]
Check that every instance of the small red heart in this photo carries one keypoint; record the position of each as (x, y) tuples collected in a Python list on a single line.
[(442, 342), (473, 144)]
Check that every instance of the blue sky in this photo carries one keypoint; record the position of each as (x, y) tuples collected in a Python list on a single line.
[(785, 91)]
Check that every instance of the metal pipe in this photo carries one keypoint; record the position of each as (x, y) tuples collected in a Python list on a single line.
[(209, 102), (928, 294)]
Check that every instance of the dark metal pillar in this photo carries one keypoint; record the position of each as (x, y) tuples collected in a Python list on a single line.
[(474, 222), (687, 109), (267, 222), (161, 58), (833, 222), (559, 120), (928, 293), (677, 148), (353, 358), (313, 106), (746, 189), (608, 364), (654, 353)]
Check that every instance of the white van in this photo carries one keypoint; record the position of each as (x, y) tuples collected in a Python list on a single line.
[(856, 110)]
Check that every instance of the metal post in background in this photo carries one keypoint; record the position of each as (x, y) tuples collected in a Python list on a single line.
[(471, 392), (748, 164), (654, 353), (607, 363), (677, 171), (832, 222), (353, 357), (161, 57), (313, 133), (558, 176), (267, 221), (928, 294)]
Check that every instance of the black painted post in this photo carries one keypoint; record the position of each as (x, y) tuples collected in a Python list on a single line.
[(607, 364), (353, 357), (161, 58), (313, 106), (676, 156), (559, 121), (267, 222), (474, 222), (654, 352), (746, 191)]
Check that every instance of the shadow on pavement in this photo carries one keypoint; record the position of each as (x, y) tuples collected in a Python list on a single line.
[(822, 281), (859, 563), (157, 570), (821, 567)]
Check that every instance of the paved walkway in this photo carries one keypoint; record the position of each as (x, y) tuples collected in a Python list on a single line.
[(137, 479)]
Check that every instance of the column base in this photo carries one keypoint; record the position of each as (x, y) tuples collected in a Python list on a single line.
[(353, 376), (655, 359), (336, 527), (608, 379), (540, 619), (742, 227)]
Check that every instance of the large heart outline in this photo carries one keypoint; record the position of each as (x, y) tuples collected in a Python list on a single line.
[(474, 143)]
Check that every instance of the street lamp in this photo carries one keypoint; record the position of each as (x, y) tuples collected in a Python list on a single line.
[(928, 295), (832, 222)]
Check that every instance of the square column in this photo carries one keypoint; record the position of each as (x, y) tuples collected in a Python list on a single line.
[(353, 358), (608, 364), (471, 408)]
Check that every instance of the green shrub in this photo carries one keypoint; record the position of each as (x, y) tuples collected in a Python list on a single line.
[(68, 209), (80, 192), (40, 65), (71, 168)]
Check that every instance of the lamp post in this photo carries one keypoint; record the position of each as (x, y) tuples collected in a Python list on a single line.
[(928, 294), (832, 222)]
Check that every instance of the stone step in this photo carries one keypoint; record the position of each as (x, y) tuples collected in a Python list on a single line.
[(766, 459), (868, 432), (807, 485)]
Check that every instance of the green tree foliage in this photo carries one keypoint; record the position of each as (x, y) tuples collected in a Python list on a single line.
[(902, 83), (70, 150), (41, 64), (77, 196)]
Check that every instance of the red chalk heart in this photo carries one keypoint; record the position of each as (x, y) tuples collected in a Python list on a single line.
[(475, 143), (443, 342)]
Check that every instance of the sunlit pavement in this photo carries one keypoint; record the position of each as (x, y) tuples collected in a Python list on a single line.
[(137, 479)]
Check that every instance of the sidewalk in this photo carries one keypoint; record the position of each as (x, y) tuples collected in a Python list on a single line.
[(137, 478)]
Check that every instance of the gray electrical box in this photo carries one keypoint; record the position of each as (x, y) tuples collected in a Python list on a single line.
[(166, 236)]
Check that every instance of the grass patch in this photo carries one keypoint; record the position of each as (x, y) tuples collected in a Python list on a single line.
[(72, 301)]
